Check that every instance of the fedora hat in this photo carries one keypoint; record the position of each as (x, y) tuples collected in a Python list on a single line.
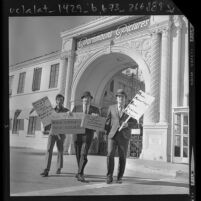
[(87, 94), (121, 92)]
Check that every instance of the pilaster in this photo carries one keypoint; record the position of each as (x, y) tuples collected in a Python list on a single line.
[(164, 76), (151, 115), (63, 71), (176, 60), (68, 51)]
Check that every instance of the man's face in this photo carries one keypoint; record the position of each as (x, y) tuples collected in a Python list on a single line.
[(121, 99), (59, 101), (86, 100)]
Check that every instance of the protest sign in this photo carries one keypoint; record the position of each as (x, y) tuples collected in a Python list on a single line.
[(67, 126), (65, 123), (94, 122), (44, 110), (56, 115), (138, 106)]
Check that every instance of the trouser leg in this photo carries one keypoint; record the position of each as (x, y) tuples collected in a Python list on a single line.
[(86, 143), (110, 157), (60, 148), (50, 146), (77, 145), (122, 150)]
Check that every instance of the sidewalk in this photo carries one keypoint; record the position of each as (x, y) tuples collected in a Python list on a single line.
[(137, 165), (158, 167)]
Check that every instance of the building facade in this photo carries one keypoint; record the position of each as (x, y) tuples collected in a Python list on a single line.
[(91, 58)]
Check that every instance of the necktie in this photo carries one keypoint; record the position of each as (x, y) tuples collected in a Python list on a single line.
[(85, 109), (120, 110)]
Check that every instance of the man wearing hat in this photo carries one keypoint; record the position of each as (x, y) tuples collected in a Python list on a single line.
[(82, 142), (52, 138), (115, 119)]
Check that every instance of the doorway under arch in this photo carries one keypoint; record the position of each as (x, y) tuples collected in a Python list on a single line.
[(94, 76)]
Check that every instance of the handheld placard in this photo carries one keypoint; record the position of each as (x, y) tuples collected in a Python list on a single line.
[(138, 106)]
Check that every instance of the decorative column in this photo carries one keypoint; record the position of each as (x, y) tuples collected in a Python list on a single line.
[(176, 61), (153, 143), (69, 78), (62, 81), (164, 79), (186, 68), (67, 55), (68, 50), (151, 115), (69, 147), (155, 125)]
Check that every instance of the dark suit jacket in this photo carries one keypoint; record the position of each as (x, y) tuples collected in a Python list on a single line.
[(114, 121), (92, 109)]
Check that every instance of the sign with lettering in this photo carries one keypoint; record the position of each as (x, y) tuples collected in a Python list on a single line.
[(67, 126), (44, 110), (94, 122), (135, 131), (56, 115), (116, 34), (139, 104)]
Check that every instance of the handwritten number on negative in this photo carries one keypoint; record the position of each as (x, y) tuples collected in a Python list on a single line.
[(104, 9)]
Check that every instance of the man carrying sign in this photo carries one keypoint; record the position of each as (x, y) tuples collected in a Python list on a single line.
[(52, 138), (82, 142), (116, 137)]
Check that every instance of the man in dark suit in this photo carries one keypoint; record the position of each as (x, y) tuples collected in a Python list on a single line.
[(52, 138), (115, 119), (82, 142)]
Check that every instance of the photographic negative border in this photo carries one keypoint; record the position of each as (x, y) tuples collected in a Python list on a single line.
[(92, 7)]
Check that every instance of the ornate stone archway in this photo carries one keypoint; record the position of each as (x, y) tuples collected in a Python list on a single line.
[(150, 50)]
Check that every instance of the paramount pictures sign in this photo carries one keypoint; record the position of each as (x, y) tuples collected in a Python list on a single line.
[(116, 34)]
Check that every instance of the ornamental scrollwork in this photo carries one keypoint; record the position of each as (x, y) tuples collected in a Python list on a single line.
[(79, 59)]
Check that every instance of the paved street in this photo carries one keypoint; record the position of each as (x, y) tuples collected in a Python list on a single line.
[(26, 166)]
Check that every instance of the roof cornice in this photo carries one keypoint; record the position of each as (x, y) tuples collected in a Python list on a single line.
[(34, 61)]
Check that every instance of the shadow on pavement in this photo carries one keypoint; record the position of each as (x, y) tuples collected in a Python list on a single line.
[(162, 183), (136, 180)]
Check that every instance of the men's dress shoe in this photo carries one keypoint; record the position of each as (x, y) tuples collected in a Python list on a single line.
[(58, 171), (119, 181), (109, 180), (81, 178), (44, 174)]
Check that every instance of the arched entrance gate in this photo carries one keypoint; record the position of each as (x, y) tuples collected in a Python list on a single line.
[(95, 75)]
